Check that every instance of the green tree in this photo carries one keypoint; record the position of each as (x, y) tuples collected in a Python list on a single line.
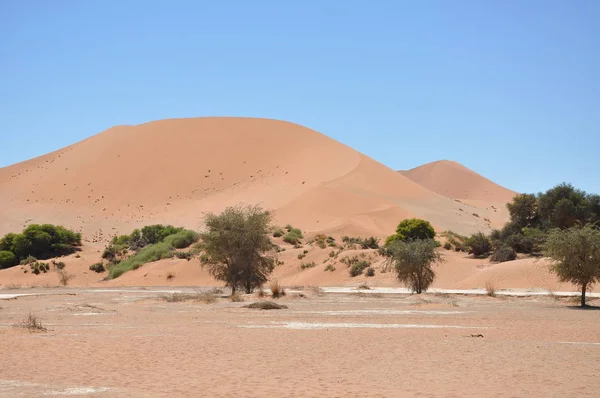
[(575, 255), (523, 210), (413, 262), (237, 247), (412, 229), (562, 205), (479, 244)]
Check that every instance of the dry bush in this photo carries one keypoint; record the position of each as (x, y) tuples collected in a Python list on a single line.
[(276, 289), (64, 277), (364, 286), (170, 276), (200, 297), (490, 289), (32, 323), (236, 298)]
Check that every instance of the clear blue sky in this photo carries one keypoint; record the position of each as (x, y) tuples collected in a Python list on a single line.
[(510, 89)]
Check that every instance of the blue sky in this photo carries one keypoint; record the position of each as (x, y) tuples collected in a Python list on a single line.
[(509, 88)]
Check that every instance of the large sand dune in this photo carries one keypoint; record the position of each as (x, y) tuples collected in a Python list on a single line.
[(174, 170), (451, 179)]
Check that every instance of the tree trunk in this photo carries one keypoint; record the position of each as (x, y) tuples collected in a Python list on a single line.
[(232, 289), (583, 289)]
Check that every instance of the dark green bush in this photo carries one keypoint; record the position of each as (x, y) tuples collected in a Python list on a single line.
[(504, 253), (184, 255), (370, 271), (357, 268), (293, 237), (311, 264), (278, 233), (40, 241), (182, 239), (479, 244), (447, 246), (7, 259), (148, 254), (412, 229)]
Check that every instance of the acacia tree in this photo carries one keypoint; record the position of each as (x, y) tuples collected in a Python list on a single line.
[(413, 261), (575, 255), (410, 229), (237, 247)]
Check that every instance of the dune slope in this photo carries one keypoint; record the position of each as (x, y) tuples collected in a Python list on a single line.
[(451, 179)]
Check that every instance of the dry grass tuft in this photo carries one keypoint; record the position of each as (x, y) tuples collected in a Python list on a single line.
[(63, 276), (199, 297), (32, 323), (170, 276), (277, 290), (490, 289), (363, 286)]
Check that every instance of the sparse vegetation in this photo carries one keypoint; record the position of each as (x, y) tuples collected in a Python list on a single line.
[(490, 289), (183, 255), (237, 247), (32, 323), (363, 243), (198, 296), (448, 246), (41, 241), (330, 268), (278, 233), (370, 272), (64, 277)]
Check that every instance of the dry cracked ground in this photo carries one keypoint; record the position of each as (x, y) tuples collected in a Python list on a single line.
[(134, 343)]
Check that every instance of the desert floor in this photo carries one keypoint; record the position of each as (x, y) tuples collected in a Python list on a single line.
[(129, 342)]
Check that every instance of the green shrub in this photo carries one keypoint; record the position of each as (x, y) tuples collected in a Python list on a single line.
[(182, 239), (278, 233), (479, 244), (301, 256), (7, 259), (504, 253), (58, 264), (412, 229), (447, 246), (148, 254), (330, 268), (370, 272), (293, 237), (98, 267)]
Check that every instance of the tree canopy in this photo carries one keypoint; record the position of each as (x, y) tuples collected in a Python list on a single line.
[(575, 254), (411, 229)]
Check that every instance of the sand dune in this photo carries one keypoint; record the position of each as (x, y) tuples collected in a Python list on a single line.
[(174, 170), (451, 179)]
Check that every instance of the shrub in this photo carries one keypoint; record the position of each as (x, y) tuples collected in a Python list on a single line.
[(182, 239), (7, 259), (64, 277), (293, 237), (479, 244), (278, 233), (301, 256), (490, 289), (148, 254), (358, 267), (311, 264), (370, 271), (447, 246), (28, 260), (58, 264), (504, 253), (330, 268), (98, 267)]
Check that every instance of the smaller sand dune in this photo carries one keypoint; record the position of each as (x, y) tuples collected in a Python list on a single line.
[(453, 180)]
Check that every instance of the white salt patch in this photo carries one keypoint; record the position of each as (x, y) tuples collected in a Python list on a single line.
[(576, 342), (382, 312), (318, 325), (92, 313), (78, 391)]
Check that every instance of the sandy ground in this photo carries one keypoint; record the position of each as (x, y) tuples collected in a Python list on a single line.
[(130, 343)]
